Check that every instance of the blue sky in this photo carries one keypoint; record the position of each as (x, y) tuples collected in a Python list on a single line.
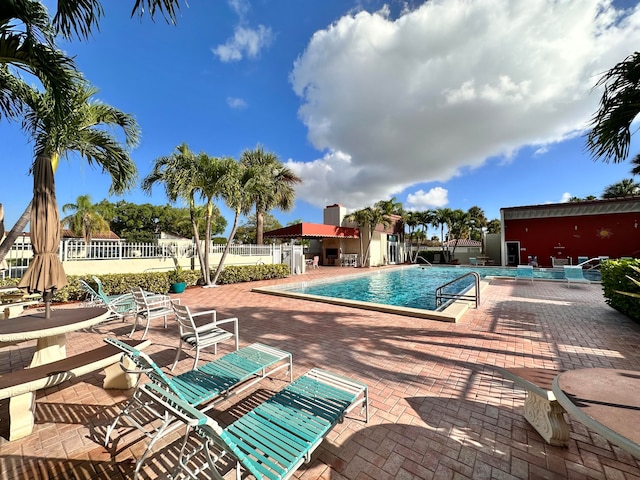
[(448, 103)]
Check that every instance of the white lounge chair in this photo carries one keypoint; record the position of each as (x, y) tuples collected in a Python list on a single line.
[(573, 274), (524, 272)]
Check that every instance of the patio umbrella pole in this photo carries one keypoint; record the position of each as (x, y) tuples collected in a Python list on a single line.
[(47, 303)]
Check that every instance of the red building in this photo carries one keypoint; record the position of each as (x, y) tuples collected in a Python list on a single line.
[(570, 230)]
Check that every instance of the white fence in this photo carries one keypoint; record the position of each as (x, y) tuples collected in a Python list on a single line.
[(120, 257)]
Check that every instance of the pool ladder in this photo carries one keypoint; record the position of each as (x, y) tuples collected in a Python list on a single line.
[(441, 295)]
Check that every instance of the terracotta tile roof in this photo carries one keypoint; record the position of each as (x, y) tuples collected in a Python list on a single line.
[(463, 242), (313, 230), (67, 234)]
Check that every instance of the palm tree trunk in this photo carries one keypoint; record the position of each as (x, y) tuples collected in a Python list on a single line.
[(259, 227), (227, 247), (196, 237), (15, 232), (366, 254), (207, 242)]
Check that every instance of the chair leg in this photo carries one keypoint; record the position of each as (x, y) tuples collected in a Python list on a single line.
[(195, 361), (146, 329), (135, 324), (175, 362)]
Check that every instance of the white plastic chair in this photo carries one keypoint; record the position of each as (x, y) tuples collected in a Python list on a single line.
[(149, 307), (202, 336)]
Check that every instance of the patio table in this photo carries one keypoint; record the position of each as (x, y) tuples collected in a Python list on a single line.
[(50, 332), (605, 400)]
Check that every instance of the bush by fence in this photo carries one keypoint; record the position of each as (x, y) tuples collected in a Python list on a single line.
[(117, 284), (614, 278)]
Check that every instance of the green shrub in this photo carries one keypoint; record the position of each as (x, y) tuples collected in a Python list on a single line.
[(614, 280), (427, 255), (121, 283), (251, 273)]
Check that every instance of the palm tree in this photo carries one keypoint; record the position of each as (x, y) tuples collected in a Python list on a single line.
[(369, 218), (410, 220), (610, 134), (478, 222), (177, 172), (235, 188), (272, 185), (623, 188), (635, 170), (441, 218), (27, 43), (459, 224), (80, 17), (82, 131), (84, 221)]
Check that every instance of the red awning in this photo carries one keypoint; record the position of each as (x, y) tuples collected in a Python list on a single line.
[(313, 230)]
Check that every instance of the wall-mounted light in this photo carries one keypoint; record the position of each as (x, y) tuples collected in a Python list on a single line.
[(635, 224), (576, 227), (526, 229)]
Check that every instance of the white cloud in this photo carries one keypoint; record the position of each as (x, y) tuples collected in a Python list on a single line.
[(236, 103), (565, 197), (398, 102), (434, 198), (245, 42), (240, 7)]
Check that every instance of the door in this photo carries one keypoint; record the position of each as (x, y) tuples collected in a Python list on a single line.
[(513, 253), (392, 249)]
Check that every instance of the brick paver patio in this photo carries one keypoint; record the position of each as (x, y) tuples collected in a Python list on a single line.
[(438, 408)]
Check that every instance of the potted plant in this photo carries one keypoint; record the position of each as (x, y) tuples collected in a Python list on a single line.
[(177, 280)]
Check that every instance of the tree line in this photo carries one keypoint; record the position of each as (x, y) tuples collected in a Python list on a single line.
[(415, 224)]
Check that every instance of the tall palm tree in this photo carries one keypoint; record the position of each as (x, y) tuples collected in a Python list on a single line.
[(88, 130), (623, 188), (478, 221), (635, 169), (235, 188), (369, 218), (27, 44), (610, 135), (410, 221), (177, 173), (84, 221), (273, 185), (459, 222), (80, 17), (441, 219)]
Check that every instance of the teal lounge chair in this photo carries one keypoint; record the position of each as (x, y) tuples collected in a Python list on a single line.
[(524, 272), (204, 387), (119, 306), (274, 439), (573, 274)]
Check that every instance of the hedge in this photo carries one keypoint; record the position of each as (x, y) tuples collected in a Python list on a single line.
[(116, 284), (614, 278)]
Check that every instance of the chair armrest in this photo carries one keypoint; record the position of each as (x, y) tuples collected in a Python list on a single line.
[(227, 320), (159, 301), (209, 326), (213, 314)]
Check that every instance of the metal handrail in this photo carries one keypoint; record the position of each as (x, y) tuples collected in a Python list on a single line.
[(592, 263), (424, 260), (440, 295)]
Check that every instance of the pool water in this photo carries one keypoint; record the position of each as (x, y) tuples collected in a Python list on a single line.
[(412, 287)]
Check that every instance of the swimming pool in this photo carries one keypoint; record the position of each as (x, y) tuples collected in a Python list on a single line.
[(405, 290)]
